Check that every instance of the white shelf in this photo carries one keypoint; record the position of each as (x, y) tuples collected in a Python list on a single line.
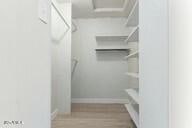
[(133, 18), (136, 75), (111, 37), (133, 113), (113, 49), (133, 36), (134, 94), (133, 55)]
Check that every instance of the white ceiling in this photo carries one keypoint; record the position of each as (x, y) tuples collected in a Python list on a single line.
[(101, 8)]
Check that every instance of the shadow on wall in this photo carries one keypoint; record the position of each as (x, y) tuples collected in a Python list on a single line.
[(110, 55)]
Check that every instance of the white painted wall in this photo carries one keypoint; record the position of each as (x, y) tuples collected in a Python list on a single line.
[(24, 64), (153, 63), (180, 66), (64, 1), (99, 77), (61, 67)]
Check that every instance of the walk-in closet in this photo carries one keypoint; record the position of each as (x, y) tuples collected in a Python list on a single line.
[(106, 63)]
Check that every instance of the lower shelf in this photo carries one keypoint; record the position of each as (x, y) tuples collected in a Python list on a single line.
[(135, 75), (134, 94), (133, 113)]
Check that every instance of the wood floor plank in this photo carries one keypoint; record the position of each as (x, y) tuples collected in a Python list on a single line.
[(95, 116)]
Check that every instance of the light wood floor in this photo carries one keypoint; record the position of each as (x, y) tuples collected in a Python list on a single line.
[(95, 116)]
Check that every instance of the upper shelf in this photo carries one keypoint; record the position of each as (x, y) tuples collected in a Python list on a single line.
[(133, 18), (111, 38), (113, 49), (132, 55), (133, 36), (134, 94)]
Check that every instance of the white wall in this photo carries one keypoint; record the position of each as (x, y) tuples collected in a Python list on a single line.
[(180, 67), (99, 76), (64, 1), (24, 64), (61, 67), (153, 63)]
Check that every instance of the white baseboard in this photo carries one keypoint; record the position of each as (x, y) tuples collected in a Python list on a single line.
[(100, 101), (54, 114)]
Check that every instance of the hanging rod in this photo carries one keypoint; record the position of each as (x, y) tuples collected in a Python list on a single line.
[(74, 62), (74, 26)]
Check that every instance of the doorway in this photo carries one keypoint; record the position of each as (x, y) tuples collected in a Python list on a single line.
[(104, 75)]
